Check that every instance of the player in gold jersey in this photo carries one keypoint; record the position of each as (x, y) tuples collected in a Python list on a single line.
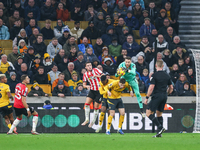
[(5, 107), (104, 82), (114, 91)]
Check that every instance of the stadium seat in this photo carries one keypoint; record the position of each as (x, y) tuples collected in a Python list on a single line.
[(7, 51), (136, 34), (138, 41), (84, 24), (70, 24), (46, 42), (41, 24), (69, 15), (94, 42), (46, 88), (193, 87), (8, 44), (53, 24)]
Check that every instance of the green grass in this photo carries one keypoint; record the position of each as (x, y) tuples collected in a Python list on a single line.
[(132, 141)]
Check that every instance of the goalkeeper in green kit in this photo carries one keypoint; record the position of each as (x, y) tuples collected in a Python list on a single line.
[(130, 72)]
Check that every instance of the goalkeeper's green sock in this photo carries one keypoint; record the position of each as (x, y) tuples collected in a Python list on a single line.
[(139, 99)]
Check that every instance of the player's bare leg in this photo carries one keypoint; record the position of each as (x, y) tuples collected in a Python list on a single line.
[(87, 110), (96, 112), (112, 114), (10, 116), (15, 123), (35, 121), (103, 111), (121, 120)]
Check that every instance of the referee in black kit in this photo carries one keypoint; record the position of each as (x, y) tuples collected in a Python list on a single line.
[(159, 83)]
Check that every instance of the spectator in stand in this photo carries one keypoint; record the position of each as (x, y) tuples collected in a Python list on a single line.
[(67, 4), (115, 19), (147, 83), (74, 81), (105, 9), (160, 19), (122, 57), (109, 66), (153, 11), (98, 67), (76, 31), (189, 62), (15, 30), (28, 18), (180, 83), (62, 13), (53, 48), (22, 48), (172, 16), (82, 47), (53, 74), (141, 65), (181, 66), (121, 9), (29, 57), (41, 76), (120, 26), (12, 82), (17, 6), (141, 2), (62, 40), (5, 10), (170, 35), (4, 18), (24, 70), (145, 44), (73, 54), (159, 57), (32, 25), (131, 46), (186, 90), (83, 4), (161, 44), (153, 36), (163, 29), (95, 62), (80, 91), (127, 3), (174, 73), (4, 64), (48, 63), (48, 12), (105, 55), (146, 28), (99, 22), (47, 31), (59, 56), (4, 34), (191, 77), (61, 90), (145, 75), (98, 47), (14, 17), (69, 43), (12, 57), (39, 46), (177, 53), (177, 43), (90, 14), (140, 83), (137, 11), (145, 14), (17, 64), (91, 32), (111, 4), (79, 64), (33, 37), (68, 71), (107, 38), (89, 55), (122, 37), (114, 48), (36, 63), (36, 91), (167, 57), (32, 7), (96, 4), (63, 66), (131, 21), (77, 14), (108, 22), (59, 28), (61, 76)]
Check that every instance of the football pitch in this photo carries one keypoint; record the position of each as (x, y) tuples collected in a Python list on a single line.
[(101, 141)]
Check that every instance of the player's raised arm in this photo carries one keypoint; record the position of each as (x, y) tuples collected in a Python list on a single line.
[(86, 86), (130, 89)]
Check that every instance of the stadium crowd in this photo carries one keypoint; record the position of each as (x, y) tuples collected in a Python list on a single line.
[(61, 63)]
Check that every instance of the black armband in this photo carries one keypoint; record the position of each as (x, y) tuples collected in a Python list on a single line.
[(147, 97)]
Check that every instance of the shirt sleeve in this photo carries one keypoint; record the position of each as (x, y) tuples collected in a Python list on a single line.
[(97, 71), (7, 89), (152, 80), (169, 81), (25, 92)]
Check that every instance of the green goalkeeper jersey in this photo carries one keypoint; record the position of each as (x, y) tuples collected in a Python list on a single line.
[(130, 75)]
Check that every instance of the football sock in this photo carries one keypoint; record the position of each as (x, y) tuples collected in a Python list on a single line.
[(87, 111), (15, 123), (121, 120), (139, 99), (155, 121), (109, 122), (160, 119), (9, 126), (96, 112), (35, 121), (101, 118)]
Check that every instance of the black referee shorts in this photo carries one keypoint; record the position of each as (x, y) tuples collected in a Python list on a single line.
[(95, 95), (157, 102), (6, 110), (22, 111)]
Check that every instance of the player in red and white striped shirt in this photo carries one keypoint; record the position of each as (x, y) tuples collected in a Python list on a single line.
[(93, 76)]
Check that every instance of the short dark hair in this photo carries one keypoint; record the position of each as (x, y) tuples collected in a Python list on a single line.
[(40, 34), (128, 57), (144, 37), (122, 80), (61, 74), (41, 67), (23, 77), (88, 62)]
